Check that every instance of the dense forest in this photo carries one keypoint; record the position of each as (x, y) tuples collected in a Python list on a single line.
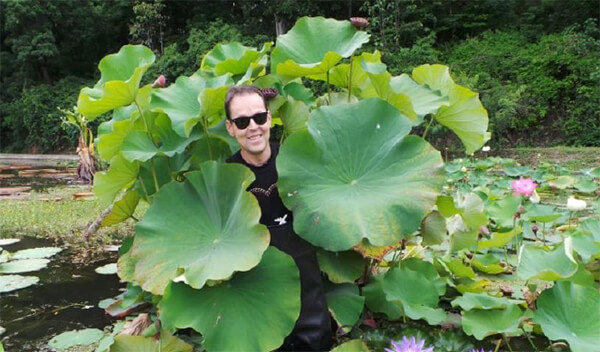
[(535, 63)]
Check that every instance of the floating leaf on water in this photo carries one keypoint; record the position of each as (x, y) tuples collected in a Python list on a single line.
[(562, 182), (103, 304), (586, 186), (570, 312), (23, 266), (488, 263), (15, 282), (514, 171), (166, 343), (107, 269), (82, 337), (7, 241), (36, 253)]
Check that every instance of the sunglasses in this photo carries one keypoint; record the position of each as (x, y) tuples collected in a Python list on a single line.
[(243, 121)]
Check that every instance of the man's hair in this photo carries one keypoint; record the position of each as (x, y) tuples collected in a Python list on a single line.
[(235, 91)]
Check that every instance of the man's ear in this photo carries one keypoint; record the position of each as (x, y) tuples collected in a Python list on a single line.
[(229, 127)]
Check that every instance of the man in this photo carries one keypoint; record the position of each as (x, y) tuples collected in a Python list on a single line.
[(249, 122)]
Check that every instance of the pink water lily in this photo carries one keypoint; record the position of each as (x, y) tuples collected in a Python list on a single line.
[(523, 186), (407, 345)]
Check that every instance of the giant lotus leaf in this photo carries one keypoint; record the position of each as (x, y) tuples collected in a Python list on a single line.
[(235, 58), (253, 311), (464, 115), (314, 45), (205, 228), (121, 74), (570, 312), (356, 174)]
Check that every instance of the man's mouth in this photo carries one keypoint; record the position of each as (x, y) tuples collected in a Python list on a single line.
[(255, 137)]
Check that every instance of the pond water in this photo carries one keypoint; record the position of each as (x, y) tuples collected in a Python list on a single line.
[(65, 298), (38, 177)]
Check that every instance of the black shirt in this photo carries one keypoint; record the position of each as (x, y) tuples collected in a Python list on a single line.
[(264, 188)]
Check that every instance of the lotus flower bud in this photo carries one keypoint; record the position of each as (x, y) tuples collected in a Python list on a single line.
[(359, 22), (574, 204), (269, 93), (484, 230), (534, 229), (160, 82)]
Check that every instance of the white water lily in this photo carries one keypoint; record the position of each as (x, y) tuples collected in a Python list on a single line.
[(486, 148), (535, 198), (463, 169), (574, 204)]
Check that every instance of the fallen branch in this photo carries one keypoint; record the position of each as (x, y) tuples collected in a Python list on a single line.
[(93, 227)]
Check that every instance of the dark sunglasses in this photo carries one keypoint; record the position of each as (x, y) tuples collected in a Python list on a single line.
[(243, 121)]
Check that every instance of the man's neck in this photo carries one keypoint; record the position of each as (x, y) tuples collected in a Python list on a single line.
[(256, 159)]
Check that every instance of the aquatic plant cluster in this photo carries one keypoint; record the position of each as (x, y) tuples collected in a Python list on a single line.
[(399, 232)]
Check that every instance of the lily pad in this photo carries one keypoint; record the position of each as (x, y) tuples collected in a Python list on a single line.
[(355, 174), (69, 339), (107, 269), (8, 241), (36, 253), (498, 239), (586, 186), (356, 345), (205, 228), (166, 343), (562, 182), (23, 266), (570, 312), (15, 282), (258, 307), (433, 229), (377, 301)]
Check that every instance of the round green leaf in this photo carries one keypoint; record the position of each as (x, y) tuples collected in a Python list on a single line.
[(120, 175), (121, 74), (234, 58), (459, 269), (570, 312), (123, 209), (356, 345), (15, 282), (204, 228), (82, 337), (433, 229), (481, 323), (464, 115), (345, 303), (418, 294), (314, 45), (341, 267), (180, 101), (355, 174), (36, 253), (586, 186), (166, 343), (469, 301), (540, 263), (498, 239), (23, 266), (487, 263), (376, 300), (562, 182), (253, 311)]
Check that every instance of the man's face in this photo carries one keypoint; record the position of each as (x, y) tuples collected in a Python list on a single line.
[(254, 139)]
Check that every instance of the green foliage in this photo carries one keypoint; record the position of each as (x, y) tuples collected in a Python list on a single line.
[(33, 121)]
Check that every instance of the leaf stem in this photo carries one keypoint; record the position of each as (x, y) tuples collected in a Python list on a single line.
[(530, 340), (139, 108), (205, 128), (506, 342), (328, 89), (427, 128), (350, 81)]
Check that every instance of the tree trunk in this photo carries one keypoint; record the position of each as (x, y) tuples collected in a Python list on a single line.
[(87, 162)]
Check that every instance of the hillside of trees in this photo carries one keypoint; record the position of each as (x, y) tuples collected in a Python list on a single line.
[(535, 63)]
